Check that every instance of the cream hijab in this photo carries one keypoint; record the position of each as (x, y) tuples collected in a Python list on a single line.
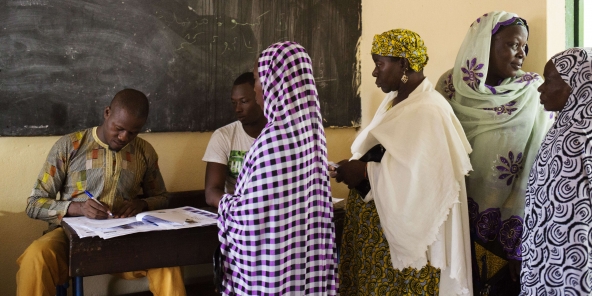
[(418, 186)]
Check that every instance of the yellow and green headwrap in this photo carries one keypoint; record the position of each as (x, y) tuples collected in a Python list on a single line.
[(402, 43)]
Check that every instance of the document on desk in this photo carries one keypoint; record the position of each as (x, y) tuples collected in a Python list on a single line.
[(94, 223), (179, 218)]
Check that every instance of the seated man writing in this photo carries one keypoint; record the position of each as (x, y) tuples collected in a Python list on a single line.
[(229, 144), (112, 164)]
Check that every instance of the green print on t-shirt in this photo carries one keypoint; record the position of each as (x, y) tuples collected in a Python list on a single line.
[(235, 162)]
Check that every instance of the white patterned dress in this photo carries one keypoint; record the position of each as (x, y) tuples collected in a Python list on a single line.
[(557, 240)]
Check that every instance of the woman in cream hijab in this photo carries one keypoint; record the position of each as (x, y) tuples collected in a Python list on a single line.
[(409, 234)]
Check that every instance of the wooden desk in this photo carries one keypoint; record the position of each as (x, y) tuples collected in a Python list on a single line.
[(140, 251)]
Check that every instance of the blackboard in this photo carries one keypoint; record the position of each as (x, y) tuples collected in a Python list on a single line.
[(62, 61)]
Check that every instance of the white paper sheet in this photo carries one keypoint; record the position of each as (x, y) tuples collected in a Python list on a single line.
[(184, 217), (94, 223)]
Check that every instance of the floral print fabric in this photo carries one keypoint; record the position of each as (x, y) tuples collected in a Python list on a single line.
[(473, 74), (365, 263), (402, 43), (488, 227)]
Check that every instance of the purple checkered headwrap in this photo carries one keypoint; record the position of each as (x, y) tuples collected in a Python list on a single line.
[(276, 231)]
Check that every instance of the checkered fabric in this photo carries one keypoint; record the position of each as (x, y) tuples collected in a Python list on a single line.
[(276, 231)]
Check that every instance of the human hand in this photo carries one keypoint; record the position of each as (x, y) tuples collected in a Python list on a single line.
[(93, 209), (351, 172), (515, 266), (131, 208), (333, 168)]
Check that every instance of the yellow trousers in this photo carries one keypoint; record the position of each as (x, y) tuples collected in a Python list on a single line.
[(44, 265)]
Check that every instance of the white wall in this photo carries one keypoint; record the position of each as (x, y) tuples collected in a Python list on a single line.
[(443, 25), (587, 23)]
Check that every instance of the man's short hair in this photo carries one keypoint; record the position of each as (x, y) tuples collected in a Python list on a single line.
[(246, 77), (133, 101)]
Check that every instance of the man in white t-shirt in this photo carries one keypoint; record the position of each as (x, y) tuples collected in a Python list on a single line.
[(229, 144)]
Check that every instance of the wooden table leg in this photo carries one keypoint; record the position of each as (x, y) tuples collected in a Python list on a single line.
[(77, 286)]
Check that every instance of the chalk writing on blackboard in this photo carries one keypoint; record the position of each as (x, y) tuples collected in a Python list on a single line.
[(61, 61)]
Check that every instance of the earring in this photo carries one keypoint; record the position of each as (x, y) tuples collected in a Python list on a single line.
[(404, 78)]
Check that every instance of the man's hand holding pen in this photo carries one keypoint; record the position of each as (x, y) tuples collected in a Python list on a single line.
[(90, 208), (95, 210)]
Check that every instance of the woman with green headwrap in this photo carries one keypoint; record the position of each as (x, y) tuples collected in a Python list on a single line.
[(406, 227), (498, 106)]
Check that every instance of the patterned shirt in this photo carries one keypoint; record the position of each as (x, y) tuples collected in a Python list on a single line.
[(81, 161)]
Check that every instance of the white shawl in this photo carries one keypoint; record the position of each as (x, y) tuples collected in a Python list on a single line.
[(419, 187)]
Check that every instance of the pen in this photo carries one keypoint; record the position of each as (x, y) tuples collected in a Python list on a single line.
[(93, 198)]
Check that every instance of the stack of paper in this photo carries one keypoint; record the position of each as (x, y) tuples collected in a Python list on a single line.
[(179, 218)]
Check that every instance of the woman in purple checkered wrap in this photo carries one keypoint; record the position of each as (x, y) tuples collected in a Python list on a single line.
[(276, 231)]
